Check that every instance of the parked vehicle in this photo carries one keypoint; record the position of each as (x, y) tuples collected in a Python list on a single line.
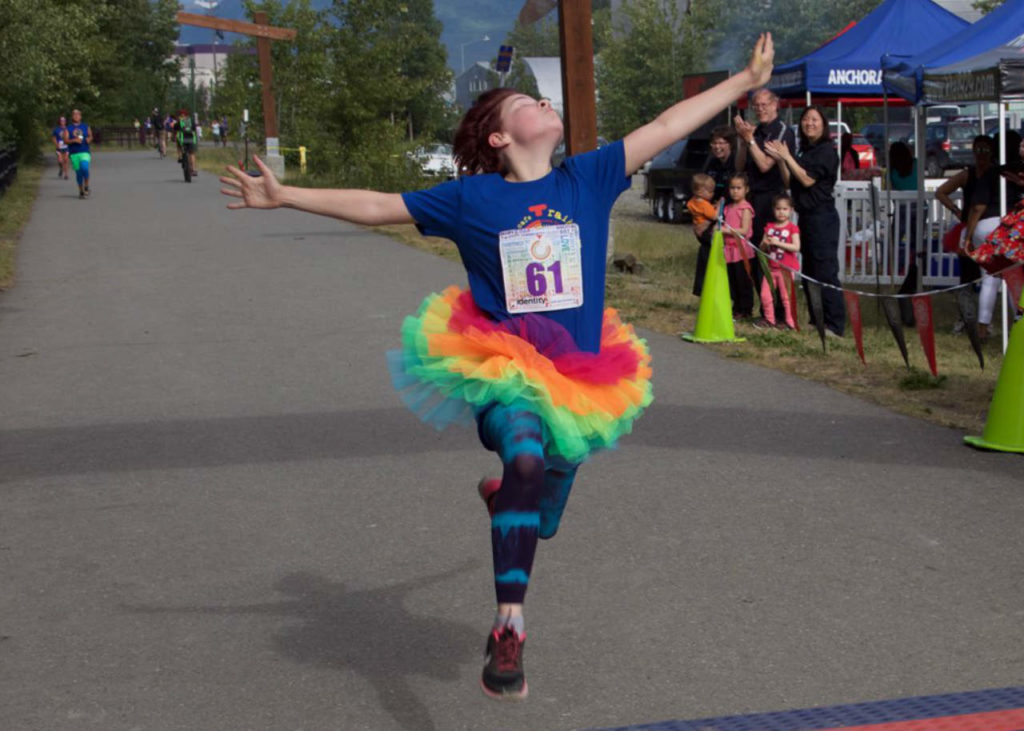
[(835, 128), (865, 152), (948, 145), (875, 136), (435, 160), (668, 175)]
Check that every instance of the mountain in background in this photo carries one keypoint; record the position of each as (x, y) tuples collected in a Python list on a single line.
[(466, 22)]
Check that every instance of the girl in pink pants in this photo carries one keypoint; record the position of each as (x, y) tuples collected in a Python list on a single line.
[(782, 242)]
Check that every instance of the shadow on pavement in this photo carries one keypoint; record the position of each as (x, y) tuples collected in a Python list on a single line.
[(369, 632), (882, 439)]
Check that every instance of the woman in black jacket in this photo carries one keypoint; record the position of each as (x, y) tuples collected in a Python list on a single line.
[(811, 176)]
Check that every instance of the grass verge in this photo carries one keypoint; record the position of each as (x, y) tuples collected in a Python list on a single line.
[(660, 299), (15, 207)]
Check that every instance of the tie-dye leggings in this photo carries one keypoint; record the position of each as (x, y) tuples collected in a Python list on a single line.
[(534, 491)]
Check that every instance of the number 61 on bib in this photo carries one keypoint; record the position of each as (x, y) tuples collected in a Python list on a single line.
[(542, 268)]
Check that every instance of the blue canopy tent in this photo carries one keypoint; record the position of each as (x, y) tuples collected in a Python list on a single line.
[(904, 73), (848, 65)]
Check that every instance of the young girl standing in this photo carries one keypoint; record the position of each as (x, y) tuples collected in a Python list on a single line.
[(528, 351), (781, 242), (739, 218)]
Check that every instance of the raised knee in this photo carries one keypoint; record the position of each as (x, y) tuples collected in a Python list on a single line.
[(528, 469)]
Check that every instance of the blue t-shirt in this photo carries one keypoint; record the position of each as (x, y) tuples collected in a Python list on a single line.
[(76, 147), (472, 211), (58, 133)]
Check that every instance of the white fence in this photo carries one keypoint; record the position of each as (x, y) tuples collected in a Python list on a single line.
[(877, 232)]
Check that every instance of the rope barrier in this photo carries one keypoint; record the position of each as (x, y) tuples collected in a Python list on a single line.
[(733, 232)]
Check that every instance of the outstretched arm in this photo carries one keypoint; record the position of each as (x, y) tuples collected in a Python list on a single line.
[(366, 207), (683, 118)]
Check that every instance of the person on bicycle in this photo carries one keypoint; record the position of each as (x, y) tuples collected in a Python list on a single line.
[(187, 139)]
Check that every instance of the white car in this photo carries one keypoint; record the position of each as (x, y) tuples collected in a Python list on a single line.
[(435, 160)]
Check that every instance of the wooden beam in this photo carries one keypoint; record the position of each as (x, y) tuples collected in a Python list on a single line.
[(266, 79), (238, 26), (578, 91)]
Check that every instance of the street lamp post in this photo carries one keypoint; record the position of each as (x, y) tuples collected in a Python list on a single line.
[(462, 50)]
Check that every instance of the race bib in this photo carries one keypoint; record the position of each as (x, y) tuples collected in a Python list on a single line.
[(542, 268)]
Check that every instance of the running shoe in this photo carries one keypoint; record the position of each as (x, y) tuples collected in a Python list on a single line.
[(503, 677), (488, 489)]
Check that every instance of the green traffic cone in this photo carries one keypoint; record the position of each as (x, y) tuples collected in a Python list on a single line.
[(714, 318), (1004, 427)]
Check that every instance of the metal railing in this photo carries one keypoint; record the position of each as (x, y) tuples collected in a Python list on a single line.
[(878, 235)]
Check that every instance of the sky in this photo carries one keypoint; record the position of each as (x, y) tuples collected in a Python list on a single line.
[(466, 22)]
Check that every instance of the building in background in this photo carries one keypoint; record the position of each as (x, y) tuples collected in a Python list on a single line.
[(473, 82)]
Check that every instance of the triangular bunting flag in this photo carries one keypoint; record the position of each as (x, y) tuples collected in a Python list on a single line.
[(814, 293), (925, 328), (1014, 279), (968, 305), (766, 271), (892, 315), (853, 310)]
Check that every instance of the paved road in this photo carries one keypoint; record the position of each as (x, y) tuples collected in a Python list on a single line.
[(215, 513)]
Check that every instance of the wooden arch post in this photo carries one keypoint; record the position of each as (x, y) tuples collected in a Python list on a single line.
[(264, 34)]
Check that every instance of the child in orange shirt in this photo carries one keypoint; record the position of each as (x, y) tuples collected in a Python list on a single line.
[(703, 213)]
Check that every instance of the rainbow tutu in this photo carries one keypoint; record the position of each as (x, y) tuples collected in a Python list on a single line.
[(455, 362)]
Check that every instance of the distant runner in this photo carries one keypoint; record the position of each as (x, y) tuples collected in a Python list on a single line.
[(78, 136), (61, 147)]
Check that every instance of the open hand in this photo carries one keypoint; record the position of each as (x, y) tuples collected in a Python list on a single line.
[(744, 129), (776, 149), (261, 192), (762, 60)]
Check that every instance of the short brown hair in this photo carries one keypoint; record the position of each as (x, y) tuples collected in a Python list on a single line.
[(472, 152), (702, 180), (724, 132)]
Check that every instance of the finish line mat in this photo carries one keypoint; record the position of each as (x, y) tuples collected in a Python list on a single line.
[(984, 710)]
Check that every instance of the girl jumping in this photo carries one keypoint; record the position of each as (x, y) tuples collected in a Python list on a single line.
[(528, 351)]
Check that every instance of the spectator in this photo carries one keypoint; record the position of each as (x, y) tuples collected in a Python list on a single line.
[(215, 130), (739, 220), (721, 163), (811, 174), (849, 156), (765, 177), (703, 214), (782, 243), (224, 131), (980, 216), (903, 177), (902, 167)]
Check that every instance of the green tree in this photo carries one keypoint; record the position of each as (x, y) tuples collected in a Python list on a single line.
[(986, 6), (797, 27), (542, 39), (107, 57), (640, 67), (361, 85)]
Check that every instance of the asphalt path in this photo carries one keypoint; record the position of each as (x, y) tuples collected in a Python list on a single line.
[(216, 514)]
